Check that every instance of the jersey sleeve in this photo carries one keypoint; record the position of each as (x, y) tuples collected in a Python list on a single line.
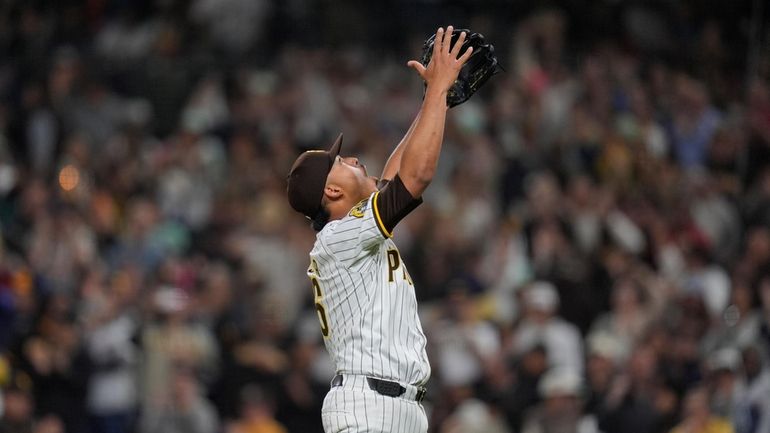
[(369, 223)]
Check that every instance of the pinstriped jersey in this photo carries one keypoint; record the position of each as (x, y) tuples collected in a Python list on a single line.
[(365, 299)]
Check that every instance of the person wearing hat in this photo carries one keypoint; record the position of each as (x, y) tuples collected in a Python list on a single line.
[(541, 323), (363, 293), (561, 410), (725, 379), (697, 415)]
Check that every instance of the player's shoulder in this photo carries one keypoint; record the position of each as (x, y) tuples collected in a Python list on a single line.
[(327, 231), (358, 212), (358, 218), (334, 229)]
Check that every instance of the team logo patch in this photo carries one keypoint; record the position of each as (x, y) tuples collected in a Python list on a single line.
[(359, 209)]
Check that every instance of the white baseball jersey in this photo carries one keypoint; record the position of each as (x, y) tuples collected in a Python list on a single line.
[(367, 309)]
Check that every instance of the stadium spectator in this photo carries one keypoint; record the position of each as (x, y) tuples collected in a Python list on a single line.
[(562, 406), (182, 409), (256, 413), (541, 325), (698, 417)]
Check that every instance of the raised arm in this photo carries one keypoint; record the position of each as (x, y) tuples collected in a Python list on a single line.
[(394, 161), (422, 144)]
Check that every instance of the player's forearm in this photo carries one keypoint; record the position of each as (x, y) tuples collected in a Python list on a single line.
[(394, 161), (422, 148)]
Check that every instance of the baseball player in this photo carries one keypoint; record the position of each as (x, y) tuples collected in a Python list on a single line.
[(364, 296)]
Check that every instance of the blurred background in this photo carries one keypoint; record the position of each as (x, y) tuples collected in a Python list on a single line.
[(593, 256)]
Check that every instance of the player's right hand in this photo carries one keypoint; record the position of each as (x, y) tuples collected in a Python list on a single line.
[(445, 65)]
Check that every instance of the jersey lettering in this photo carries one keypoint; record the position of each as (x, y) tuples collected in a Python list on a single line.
[(394, 262)]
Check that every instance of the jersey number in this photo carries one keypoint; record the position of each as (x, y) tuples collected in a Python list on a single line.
[(319, 308)]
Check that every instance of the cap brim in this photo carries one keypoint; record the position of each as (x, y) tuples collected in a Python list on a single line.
[(335, 149)]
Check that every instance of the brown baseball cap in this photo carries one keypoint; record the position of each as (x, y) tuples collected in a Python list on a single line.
[(307, 178)]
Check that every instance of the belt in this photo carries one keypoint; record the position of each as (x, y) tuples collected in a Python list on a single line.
[(384, 387)]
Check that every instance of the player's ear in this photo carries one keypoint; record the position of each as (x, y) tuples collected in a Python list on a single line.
[(333, 192)]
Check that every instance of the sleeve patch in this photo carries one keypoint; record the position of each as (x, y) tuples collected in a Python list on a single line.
[(359, 209)]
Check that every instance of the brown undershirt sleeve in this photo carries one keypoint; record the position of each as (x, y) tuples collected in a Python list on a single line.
[(392, 203)]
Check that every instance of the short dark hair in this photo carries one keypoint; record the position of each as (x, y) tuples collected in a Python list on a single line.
[(321, 218)]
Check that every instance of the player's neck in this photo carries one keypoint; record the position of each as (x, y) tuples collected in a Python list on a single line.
[(340, 208)]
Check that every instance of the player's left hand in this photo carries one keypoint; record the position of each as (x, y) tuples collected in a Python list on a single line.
[(480, 65)]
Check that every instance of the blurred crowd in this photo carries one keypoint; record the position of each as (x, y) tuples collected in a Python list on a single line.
[(593, 256)]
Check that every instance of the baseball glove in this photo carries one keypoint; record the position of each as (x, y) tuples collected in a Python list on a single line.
[(475, 72)]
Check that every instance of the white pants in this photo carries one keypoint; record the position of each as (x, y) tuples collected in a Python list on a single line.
[(354, 408)]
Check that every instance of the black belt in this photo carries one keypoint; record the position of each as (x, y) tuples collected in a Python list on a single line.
[(385, 387)]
